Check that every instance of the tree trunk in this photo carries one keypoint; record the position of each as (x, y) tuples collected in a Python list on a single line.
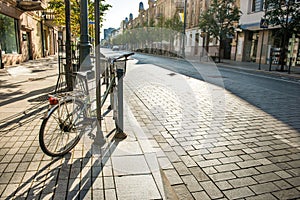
[(220, 48), (283, 50)]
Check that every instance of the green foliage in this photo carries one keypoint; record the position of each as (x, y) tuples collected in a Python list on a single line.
[(220, 18), (58, 7), (174, 23), (285, 14)]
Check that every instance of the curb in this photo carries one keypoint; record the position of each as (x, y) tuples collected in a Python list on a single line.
[(278, 74)]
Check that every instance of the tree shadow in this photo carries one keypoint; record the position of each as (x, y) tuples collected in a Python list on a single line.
[(25, 96)]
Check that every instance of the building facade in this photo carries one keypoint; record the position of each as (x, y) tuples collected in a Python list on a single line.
[(250, 43), (159, 11), (27, 31)]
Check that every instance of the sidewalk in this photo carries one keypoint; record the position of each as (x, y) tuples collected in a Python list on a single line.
[(295, 71), (187, 139)]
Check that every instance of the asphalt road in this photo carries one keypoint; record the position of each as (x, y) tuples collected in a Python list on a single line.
[(277, 96)]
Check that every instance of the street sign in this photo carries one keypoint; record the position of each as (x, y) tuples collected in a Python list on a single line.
[(263, 23)]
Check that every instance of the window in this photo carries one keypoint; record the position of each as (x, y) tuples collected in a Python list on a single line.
[(257, 5), (9, 37)]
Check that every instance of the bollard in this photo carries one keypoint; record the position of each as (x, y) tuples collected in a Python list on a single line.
[(120, 74)]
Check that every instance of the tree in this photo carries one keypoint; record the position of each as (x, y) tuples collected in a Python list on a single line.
[(58, 7), (286, 16), (220, 19), (174, 26)]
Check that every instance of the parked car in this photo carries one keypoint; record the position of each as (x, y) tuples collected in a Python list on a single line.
[(115, 48)]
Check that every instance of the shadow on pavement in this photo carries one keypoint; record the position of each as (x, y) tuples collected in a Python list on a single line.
[(67, 175), (25, 96)]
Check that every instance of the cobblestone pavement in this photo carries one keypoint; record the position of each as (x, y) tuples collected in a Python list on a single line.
[(214, 144), (187, 139), (111, 170)]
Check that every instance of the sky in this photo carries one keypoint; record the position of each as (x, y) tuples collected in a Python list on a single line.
[(119, 10)]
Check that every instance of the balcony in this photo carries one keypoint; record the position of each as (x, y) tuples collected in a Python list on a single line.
[(31, 5), (179, 4)]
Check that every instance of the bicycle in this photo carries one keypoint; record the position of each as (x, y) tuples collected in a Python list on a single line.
[(64, 124)]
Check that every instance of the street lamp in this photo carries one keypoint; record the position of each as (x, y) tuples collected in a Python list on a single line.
[(84, 50), (184, 27)]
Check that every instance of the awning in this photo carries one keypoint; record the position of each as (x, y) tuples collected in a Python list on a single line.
[(255, 27), (251, 27)]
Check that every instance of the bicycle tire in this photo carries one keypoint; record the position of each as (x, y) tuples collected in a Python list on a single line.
[(58, 128)]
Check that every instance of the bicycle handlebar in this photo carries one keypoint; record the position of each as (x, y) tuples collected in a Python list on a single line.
[(122, 56)]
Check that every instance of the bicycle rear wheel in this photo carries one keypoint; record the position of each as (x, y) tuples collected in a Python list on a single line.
[(59, 131)]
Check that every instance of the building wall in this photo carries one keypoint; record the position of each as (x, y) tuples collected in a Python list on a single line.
[(29, 31)]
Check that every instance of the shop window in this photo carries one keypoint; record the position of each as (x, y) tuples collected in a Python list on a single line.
[(9, 37)]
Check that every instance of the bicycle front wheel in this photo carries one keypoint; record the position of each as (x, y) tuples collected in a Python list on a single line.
[(59, 132)]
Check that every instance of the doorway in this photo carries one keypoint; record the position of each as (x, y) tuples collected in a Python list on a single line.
[(29, 46)]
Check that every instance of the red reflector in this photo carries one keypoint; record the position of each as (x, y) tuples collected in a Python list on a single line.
[(53, 100)]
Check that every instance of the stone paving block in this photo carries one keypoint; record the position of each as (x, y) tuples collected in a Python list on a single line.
[(17, 177), (282, 184), (109, 182), (182, 192), (234, 153), (211, 189), (127, 165), (165, 163), (7, 158), (287, 194), (218, 149), (181, 168), (5, 177), (280, 152), (295, 181), (248, 163), (223, 185), (188, 161), (267, 196), (242, 182), (262, 178), (209, 170), (179, 150), (209, 163), (238, 193), (191, 183), (294, 164), (98, 194), (233, 159), (201, 196), (283, 174), (214, 156), (264, 188), (10, 190), (165, 146), (222, 176), (172, 156), (226, 167), (137, 187), (199, 174), (173, 176), (198, 152), (246, 172), (268, 168)]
